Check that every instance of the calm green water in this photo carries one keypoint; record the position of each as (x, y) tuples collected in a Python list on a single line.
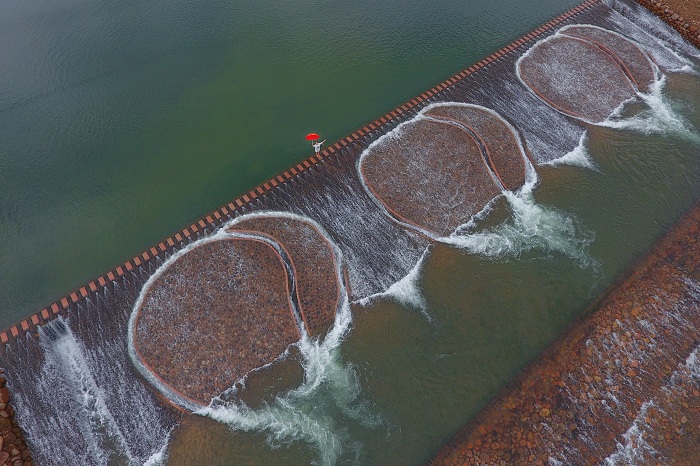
[(122, 122)]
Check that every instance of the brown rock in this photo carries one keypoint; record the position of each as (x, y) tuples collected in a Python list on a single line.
[(5, 424), (3, 457), (4, 395), (693, 28)]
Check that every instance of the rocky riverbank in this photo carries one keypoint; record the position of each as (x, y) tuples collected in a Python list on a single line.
[(622, 385), (682, 15), (13, 448)]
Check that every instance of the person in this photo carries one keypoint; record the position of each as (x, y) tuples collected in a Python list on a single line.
[(317, 146)]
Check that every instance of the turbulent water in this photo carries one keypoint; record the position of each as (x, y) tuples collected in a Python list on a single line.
[(83, 404), (530, 227), (321, 410)]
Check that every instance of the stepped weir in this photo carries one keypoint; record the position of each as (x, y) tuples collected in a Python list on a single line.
[(337, 228)]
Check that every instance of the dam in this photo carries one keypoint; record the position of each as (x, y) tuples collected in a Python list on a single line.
[(123, 356)]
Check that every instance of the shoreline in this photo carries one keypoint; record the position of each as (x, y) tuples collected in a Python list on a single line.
[(13, 446), (673, 11)]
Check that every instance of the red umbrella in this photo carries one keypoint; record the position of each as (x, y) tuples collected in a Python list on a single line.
[(312, 136)]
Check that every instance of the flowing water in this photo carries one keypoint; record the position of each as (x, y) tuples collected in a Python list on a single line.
[(442, 326)]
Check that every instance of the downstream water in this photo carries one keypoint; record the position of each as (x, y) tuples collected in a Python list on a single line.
[(198, 117)]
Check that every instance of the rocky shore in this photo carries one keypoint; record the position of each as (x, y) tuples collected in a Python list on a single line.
[(622, 386), (13, 448), (682, 15)]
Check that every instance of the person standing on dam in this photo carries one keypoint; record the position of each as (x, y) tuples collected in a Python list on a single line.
[(317, 146)]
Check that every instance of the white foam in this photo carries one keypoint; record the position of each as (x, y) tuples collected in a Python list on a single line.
[(405, 291), (396, 133), (314, 412), (67, 354), (531, 226), (338, 260), (384, 139), (693, 364), (160, 457), (658, 118), (634, 450), (88, 385), (221, 234), (578, 157), (473, 222), (552, 70), (172, 395), (657, 36)]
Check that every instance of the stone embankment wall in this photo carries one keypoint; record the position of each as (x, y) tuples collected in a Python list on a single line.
[(682, 15), (13, 448)]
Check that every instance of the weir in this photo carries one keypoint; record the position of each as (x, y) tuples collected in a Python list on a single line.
[(77, 349)]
